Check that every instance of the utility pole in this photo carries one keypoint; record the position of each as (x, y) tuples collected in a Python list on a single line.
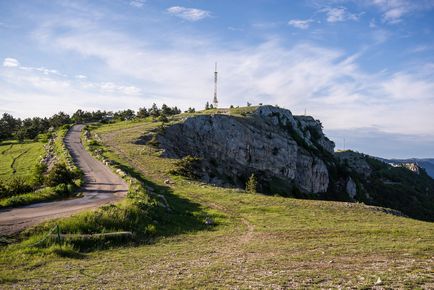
[(215, 101)]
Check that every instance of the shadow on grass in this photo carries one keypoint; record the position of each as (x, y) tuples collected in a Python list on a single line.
[(146, 218), (184, 215)]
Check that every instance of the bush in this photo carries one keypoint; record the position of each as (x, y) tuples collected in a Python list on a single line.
[(3, 190), (59, 174), (251, 184), (38, 173), (188, 166), (163, 119), (16, 185)]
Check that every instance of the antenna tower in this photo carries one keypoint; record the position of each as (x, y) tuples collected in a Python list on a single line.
[(215, 101)]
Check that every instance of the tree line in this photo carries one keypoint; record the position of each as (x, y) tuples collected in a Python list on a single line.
[(30, 128)]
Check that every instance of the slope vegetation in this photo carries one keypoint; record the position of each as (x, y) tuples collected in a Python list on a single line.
[(226, 238), (19, 159)]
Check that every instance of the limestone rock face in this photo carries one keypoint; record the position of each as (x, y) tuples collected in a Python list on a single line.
[(266, 143), (412, 167), (351, 188), (355, 161)]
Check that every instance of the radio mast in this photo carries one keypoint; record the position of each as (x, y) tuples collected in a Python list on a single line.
[(215, 101)]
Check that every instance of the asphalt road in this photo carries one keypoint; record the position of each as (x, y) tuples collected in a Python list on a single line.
[(102, 186)]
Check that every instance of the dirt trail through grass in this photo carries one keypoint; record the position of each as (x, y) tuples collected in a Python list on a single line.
[(14, 170), (289, 243), (102, 186), (7, 149), (233, 247)]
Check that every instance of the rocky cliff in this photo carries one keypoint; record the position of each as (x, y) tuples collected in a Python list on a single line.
[(291, 156), (271, 143)]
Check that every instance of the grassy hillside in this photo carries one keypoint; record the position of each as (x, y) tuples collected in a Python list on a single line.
[(19, 159), (256, 240), (22, 175)]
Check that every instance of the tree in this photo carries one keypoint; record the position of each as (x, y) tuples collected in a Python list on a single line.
[(248, 104), (124, 115), (78, 116), (251, 184), (163, 119), (59, 174), (176, 110), (154, 111), (59, 119), (207, 106), (142, 113), (20, 135), (165, 110), (8, 126)]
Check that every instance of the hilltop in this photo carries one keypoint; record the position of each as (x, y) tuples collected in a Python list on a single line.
[(291, 156), (188, 233), (425, 163)]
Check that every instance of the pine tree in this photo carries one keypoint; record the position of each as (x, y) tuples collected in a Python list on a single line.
[(251, 184), (207, 106)]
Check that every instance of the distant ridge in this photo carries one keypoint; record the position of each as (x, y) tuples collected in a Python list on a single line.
[(425, 163)]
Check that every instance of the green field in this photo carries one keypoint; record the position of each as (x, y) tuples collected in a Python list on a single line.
[(19, 159), (257, 241)]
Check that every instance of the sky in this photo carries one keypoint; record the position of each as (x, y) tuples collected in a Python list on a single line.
[(365, 68)]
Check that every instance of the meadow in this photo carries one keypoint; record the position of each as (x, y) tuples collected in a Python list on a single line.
[(21, 171), (253, 241), (19, 159)]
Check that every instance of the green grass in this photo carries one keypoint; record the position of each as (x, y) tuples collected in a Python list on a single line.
[(257, 241), (26, 155), (43, 194)]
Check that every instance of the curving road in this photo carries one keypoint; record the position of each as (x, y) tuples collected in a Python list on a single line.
[(101, 186)]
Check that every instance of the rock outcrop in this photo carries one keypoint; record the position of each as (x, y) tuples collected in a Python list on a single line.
[(355, 162), (289, 155), (271, 143)]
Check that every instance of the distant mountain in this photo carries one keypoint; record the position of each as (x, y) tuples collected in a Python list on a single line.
[(426, 163)]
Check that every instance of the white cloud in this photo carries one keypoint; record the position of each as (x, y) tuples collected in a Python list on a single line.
[(395, 10), (406, 87), (326, 81), (189, 14), (339, 14), (112, 88), (137, 3), (10, 62), (299, 23), (31, 91), (43, 70)]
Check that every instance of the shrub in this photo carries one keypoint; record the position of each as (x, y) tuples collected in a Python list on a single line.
[(163, 119), (38, 173), (188, 166), (251, 184), (3, 190), (17, 185), (59, 174)]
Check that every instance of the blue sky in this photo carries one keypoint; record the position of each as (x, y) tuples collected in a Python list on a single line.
[(364, 68)]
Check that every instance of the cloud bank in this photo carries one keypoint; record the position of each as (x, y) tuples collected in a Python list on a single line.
[(189, 14)]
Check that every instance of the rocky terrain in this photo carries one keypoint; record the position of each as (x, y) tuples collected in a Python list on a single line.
[(291, 156), (427, 163), (271, 143)]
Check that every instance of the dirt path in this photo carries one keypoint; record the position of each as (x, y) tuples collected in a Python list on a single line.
[(244, 235), (101, 186)]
